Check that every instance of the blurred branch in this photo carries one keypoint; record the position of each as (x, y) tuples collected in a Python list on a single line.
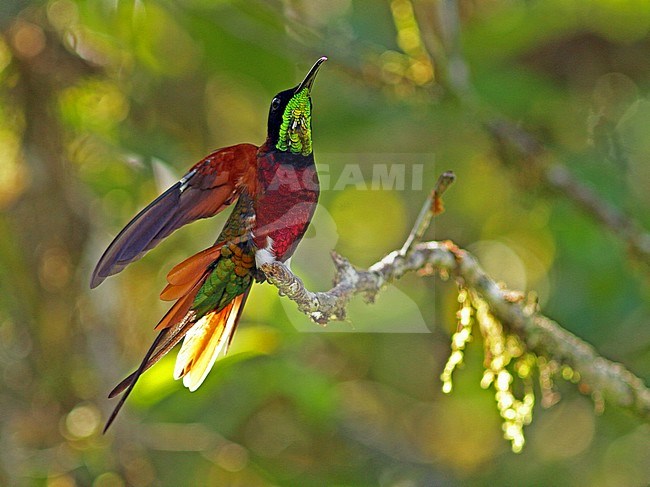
[(48, 219), (518, 147), (50, 224), (515, 144), (458, 81), (542, 336)]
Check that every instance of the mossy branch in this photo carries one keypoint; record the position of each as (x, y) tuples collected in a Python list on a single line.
[(517, 316)]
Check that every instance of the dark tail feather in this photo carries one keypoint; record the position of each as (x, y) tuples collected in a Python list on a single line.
[(173, 327), (167, 339), (136, 375), (173, 336)]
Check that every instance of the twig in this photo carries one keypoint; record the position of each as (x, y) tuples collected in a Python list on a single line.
[(324, 307), (432, 207), (458, 81), (541, 335)]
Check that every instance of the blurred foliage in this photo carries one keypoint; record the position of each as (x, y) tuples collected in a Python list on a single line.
[(100, 101)]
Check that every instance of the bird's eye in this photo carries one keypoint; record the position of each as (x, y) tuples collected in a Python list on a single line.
[(275, 104)]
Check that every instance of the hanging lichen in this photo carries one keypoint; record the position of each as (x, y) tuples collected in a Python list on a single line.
[(458, 341), (506, 361), (502, 350)]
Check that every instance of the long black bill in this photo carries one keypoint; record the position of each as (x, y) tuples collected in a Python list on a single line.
[(311, 76)]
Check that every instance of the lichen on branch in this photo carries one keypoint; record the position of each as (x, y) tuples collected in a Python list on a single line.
[(518, 339)]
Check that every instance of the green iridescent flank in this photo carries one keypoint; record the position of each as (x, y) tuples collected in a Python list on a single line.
[(295, 131), (232, 274), (221, 286), (240, 220)]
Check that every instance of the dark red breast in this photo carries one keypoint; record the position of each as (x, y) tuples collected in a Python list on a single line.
[(286, 198)]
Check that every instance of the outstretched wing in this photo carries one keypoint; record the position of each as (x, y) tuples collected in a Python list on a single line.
[(210, 186)]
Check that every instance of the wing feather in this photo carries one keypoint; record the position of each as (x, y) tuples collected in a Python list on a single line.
[(210, 186)]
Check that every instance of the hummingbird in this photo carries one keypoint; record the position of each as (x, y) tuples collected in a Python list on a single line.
[(275, 187)]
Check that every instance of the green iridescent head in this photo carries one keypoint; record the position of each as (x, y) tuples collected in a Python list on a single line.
[(290, 116), (295, 130)]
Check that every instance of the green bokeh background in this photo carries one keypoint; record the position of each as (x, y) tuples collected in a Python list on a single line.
[(103, 103)]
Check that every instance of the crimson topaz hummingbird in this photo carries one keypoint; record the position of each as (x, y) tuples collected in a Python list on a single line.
[(276, 189)]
